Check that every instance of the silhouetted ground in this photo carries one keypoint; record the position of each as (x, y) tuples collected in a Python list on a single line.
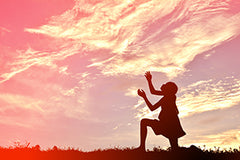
[(192, 153)]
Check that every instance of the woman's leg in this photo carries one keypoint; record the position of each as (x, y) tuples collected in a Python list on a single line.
[(143, 131), (173, 143)]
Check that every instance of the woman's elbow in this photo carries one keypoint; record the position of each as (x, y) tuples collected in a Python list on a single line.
[(152, 108), (153, 92)]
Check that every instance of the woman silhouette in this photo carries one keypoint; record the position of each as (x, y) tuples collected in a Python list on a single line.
[(168, 123)]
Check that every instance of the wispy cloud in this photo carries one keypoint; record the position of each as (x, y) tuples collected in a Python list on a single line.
[(146, 35), (201, 96), (19, 110), (138, 35), (209, 95), (3, 31), (40, 91), (224, 140), (30, 57), (132, 92), (22, 101)]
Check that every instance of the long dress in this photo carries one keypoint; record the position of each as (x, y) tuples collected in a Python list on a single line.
[(168, 124)]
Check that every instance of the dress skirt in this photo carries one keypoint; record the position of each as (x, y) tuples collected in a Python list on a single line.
[(169, 126)]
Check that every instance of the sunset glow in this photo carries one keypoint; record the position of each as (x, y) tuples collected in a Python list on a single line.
[(70, 70)]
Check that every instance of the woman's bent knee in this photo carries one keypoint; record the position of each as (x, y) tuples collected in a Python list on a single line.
[(145, 122)]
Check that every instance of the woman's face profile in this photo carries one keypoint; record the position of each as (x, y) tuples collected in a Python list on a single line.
[(169, 88), (163, 87)]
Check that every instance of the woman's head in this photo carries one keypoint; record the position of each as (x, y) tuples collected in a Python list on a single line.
[(170, 88)]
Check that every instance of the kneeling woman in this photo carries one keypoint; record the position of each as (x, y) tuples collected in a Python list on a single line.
[(168, 123)]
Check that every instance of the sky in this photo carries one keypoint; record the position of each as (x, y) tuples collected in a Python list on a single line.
[(70, 70)]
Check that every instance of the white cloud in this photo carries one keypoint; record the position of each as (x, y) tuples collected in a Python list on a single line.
[(132, 92), (30, 57), (3, 31), (14, 100), (19, 110), (201, 96), (63, 70), (209, 95), (224, 140), (139, 35)]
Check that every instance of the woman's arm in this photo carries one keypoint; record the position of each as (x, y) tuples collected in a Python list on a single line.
[(151, 87), (142, 94)]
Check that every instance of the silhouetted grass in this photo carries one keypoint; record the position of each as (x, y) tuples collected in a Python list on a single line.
[(191, 153)]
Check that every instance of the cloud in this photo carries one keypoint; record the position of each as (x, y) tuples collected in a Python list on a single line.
[(3, 31), (201, 96), (46, 92), (30, 57), (27, 111), (19, 110), (209, 95), (22, 101), (136, 35), (132, 92), (224, 140), (142, 36)]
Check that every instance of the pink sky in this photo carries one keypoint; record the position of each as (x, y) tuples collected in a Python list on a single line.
[(70, 70)]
